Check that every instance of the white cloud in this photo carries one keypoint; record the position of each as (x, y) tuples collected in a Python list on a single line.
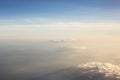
[(57, 41), (108, 70)]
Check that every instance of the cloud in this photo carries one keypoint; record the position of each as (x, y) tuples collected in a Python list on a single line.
[(108, 70), (57, 41), (63, 40), (88, 71)]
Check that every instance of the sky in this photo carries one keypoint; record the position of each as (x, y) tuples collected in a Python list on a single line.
[(38, 36), (64, 17), (46, 11)]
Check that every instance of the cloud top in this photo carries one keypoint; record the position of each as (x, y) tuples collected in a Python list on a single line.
[(87, 71), (106, 69)]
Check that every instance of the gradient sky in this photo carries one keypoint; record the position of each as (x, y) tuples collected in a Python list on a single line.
[(42, 11), (70, 18)]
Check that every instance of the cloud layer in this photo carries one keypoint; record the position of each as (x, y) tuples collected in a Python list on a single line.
[(106, 70), (88, 71)]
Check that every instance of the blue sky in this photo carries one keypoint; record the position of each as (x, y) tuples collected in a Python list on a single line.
[(59, 17), (76, 10)]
